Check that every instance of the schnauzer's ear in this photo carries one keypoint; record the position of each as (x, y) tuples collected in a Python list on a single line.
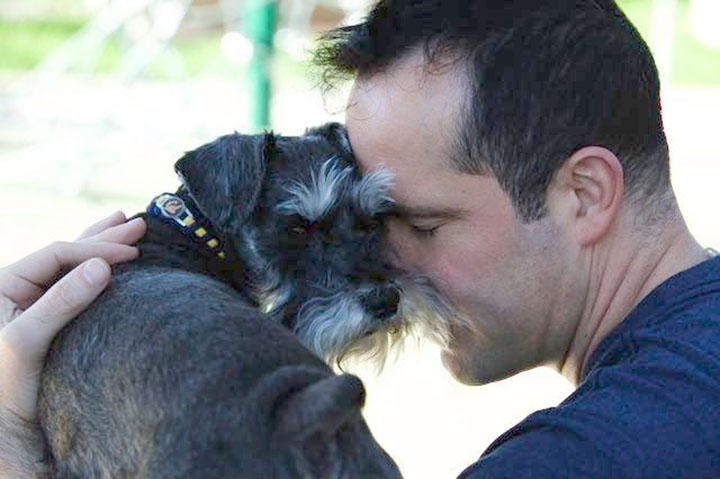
[(225, 177), (335, 133), (323, 407)]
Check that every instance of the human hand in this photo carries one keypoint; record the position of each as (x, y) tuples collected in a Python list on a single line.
[(35, 305)]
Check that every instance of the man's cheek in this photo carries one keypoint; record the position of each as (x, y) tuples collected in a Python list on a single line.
[(448, 276)]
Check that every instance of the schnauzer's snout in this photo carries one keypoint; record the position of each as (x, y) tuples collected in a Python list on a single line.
[(382, 302)]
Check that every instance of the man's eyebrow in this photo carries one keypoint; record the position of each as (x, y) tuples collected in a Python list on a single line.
[(405, 211)]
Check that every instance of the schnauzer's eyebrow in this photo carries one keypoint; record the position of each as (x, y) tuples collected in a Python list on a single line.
[(405, 211)]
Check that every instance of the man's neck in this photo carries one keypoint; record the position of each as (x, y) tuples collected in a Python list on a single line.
[(622, 273)]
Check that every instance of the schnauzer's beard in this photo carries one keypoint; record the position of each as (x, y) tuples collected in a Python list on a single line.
[(341, 331), (328, 324), (424, 313)]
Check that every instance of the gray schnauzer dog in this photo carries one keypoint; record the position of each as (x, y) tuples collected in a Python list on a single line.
[(195, 363)]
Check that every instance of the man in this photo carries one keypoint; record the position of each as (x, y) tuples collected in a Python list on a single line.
[(532, 184)]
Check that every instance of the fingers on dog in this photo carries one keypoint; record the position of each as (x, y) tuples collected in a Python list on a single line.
[(23, 282), (42, 267), (114, 219), (125, 233), (25, 340), (39, 324)]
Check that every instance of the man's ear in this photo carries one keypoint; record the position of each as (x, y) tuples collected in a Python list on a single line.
[(225, 177), (590, 187)]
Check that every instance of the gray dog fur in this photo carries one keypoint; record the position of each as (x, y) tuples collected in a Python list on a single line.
[(188, 368)]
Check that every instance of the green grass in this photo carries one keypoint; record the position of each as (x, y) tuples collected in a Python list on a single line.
[(24, 44)]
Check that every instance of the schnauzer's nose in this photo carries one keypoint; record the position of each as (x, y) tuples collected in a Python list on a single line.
[(382, 302)]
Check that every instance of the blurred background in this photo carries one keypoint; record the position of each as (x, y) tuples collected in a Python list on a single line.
[(98, 98)]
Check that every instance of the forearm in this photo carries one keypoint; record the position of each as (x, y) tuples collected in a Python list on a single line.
[(21, 449)]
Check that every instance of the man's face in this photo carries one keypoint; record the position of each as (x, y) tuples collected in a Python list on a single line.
[(459, 229)]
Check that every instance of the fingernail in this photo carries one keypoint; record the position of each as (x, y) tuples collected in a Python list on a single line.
[(95, 271), (117, 213)]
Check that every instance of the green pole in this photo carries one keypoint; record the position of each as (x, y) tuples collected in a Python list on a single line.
[(259, 24)]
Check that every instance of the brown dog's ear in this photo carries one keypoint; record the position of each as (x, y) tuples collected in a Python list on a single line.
[(323, 407), (225, 177), (300, 400), (302, 409)]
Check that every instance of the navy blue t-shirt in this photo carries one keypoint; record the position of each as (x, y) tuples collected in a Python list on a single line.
[(648, 405)]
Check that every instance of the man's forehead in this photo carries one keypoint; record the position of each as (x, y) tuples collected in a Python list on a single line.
[(390, 139), (409, 78), (405, 119)]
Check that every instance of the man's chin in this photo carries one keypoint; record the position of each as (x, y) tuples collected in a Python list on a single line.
[(458, 369), (474, 372)]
